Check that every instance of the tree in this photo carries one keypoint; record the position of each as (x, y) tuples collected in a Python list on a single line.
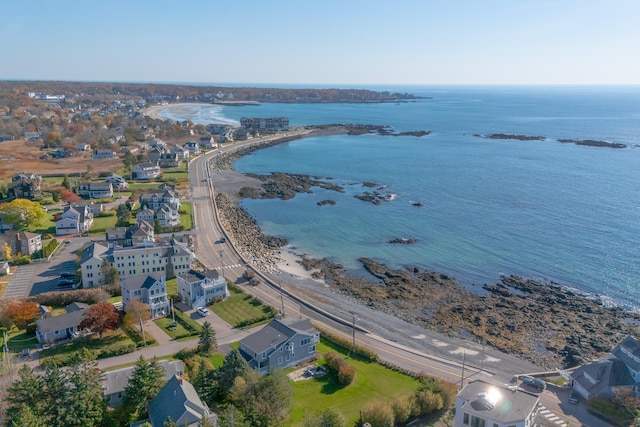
[(22, 313), (100, 317), (265, 400), (233, 366), (327, 418), (26, 390), (27, 418), (129, 162), (403, 407), (69, 196), (65, 182), (6, 251), (205, 421), (204, 378), (111, 275), (124, 216), (207, 343), (143, 385), (170, 423), (231, 417), (137, 311), (22, 213), (378, 414)]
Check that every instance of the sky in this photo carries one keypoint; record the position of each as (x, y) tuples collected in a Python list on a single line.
[(341, 42)]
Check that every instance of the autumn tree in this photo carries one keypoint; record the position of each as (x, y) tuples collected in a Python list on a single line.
[(137, 312), (143, 385), (6, 251), (21, 313), (69, 196), (100, 317), (207, 343), (22, 213)]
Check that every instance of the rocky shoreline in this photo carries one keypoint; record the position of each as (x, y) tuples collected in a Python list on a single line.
[(549, 325)]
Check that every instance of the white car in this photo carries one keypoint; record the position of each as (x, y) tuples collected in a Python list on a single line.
[(203, 311)]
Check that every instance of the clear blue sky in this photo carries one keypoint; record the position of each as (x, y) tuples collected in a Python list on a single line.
[(340, 42)]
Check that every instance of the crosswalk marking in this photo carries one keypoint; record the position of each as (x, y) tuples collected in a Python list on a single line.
[(232, 266), (550, 416)]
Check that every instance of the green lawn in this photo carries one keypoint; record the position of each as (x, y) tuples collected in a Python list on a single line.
[(113, 343), (19, 339), (101, 223), (242, 310), (180, 173), (186, 218), (372, 382), (172, 287), (144, 186)]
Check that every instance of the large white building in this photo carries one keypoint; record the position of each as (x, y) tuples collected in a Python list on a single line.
[(168, 258), (482, 404)]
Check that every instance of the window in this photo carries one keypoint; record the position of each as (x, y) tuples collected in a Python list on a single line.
[(264, 355), (312, 349), (280, 360), (305, 341), (465, 419), (477, 422)]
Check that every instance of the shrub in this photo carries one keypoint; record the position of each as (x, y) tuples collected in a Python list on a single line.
[(333, 362), (106, 213), (363, 352), (427, 402), (62, 298), (403, 408), (346, 374), (21, 260), (378, 414)]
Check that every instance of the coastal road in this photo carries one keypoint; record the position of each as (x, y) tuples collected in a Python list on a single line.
[(214, 254)]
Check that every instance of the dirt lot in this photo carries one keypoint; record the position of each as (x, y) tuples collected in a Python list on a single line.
[(20, 156)]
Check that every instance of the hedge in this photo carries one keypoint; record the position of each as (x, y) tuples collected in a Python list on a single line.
[(363, 352)]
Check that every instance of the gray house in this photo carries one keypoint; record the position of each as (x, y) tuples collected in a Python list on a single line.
[(180, 401), (149, 289), (114, 382), (64, 326), (199, 288), (280, 344)]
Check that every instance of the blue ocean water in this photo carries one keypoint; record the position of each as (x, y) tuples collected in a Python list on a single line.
[(539, 209)]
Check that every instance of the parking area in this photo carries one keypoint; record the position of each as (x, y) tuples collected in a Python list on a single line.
[(43, 276)]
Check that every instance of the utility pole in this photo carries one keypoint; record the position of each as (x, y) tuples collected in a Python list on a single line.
[(281, 299), (353, 331), (462, 377), (221, 259)]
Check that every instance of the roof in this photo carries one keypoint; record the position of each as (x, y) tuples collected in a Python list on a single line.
[(140, 281), (507, 405), (76, 306), (607, 374), (60, 322), (277, 332), (115, 381), (180, 401), (196, 276), (628, 351), (94, 250)]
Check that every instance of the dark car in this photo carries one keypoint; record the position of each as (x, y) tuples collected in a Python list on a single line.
[(574, 398), (65, 282)]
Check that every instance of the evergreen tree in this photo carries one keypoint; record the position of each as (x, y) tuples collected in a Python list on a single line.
[(233, 366), (204, 379), (27, 418), (207, 343), (87, 407), (65, 182), (205, 421), (25, 391), (143, 385), (231, 417), (169, 423), (124, 216)]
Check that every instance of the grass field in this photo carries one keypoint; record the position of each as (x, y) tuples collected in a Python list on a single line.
[(144, 186), (180, 173), (101, 223), (186, 219), (240, 309), (372, 382), (19, 339), (172, 287), (178, 333)]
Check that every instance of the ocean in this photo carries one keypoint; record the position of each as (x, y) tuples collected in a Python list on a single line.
[(544, 210)]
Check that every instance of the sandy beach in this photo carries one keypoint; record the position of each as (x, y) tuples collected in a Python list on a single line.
[(154, 110)]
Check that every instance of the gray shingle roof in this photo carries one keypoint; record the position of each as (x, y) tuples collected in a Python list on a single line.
[(196, 276), (140, 281), (60, 322), (277, 332), (94, 250), (607, 374), (628, 345), (180, 401), (115, 381)]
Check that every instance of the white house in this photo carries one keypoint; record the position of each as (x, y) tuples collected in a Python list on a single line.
[(83, 147), (149, 289), (74, 221), (193, 147), (199, 288), (95, 190), (117, 181), (146, 170), (146, 215), (104, 154), (181, 152), (481, 403)]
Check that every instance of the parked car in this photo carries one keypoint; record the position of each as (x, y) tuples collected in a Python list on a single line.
[(574, 398), (68, 274), (65, 282), (534, 382), (203, 311)]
